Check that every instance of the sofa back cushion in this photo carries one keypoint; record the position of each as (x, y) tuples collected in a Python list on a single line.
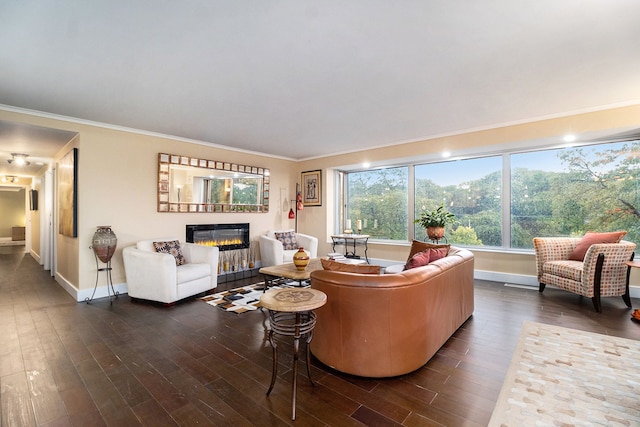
[(328, 264), (591, 238)]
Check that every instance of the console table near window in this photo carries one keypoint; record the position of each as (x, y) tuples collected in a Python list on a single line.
[(350, 242)]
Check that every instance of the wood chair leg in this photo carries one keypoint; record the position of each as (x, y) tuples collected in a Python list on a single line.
[(596, 284), (627, 297)]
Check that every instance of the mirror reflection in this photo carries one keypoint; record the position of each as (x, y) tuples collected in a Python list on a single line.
[(187, 184)]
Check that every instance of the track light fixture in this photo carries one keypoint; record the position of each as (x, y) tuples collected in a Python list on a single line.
[(9, 178), (19, 159)]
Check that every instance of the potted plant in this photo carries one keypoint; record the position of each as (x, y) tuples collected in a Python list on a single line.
[(434, 221)]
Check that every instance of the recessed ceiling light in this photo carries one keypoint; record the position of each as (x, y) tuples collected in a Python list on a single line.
[(446, 154), (366, 164), (569, 138)]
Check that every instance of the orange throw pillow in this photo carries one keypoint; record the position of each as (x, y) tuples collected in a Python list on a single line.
[(591, 239), (329, 264)]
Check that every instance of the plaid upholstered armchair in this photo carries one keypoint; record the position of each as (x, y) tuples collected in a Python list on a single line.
[(602, 272)]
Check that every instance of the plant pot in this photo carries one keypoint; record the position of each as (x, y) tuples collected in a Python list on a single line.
[(435, 233), (301, 259)]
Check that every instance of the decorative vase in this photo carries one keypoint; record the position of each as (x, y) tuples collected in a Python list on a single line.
[(104, 243), (435, 233), (301, 259)]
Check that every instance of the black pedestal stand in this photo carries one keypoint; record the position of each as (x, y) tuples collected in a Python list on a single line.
[(442, 240), (109, 282)]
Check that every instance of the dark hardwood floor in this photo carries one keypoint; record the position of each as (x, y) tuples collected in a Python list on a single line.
[(67, 363)]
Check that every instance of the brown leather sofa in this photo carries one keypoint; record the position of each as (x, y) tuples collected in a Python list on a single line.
[(391, 324)]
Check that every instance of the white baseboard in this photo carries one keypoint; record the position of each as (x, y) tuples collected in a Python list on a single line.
[(516, 279), (35, 256), (101, 292), (81, 295)]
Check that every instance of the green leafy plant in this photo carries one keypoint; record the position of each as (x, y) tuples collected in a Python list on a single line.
[(435, 218)]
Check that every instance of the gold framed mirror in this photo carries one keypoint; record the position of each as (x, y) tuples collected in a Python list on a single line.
[(190, 184)]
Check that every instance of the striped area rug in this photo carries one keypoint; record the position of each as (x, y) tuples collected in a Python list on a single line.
[(565, 377)]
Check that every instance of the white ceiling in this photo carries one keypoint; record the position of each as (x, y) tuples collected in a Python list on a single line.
[(301, 79)]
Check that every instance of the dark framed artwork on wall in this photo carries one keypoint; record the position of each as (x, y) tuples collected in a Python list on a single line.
[(68, 194), (312, 188), (33, 200)]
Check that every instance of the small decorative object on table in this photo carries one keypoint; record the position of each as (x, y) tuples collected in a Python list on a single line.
[(301, 259), (347, 227)]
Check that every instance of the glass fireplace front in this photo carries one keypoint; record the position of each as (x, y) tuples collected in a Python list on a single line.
[(225, 236)]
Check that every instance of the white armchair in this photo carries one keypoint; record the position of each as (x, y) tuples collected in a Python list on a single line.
[(155, 276), (272, 251)]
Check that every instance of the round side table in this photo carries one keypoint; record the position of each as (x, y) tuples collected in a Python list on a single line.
[(291, 314)]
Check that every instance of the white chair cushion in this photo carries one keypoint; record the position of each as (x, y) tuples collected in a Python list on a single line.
[(189, 272)]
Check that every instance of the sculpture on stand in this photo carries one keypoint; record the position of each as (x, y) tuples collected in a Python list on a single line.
[(104, 245)]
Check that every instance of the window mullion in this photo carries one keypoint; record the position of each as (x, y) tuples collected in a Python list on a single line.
[(506, 201), (411, 201)]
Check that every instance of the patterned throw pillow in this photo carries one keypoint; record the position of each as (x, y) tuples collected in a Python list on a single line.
[(288, 239), (173, 248)]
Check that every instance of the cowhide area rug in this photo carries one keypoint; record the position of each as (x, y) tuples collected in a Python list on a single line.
[(565, 377)]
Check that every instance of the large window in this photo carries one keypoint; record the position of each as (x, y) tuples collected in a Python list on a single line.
[(571, 191), (377, 200), (471, 189), (506, 200)]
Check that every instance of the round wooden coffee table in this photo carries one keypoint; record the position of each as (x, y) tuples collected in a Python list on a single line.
[(291, 314)]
